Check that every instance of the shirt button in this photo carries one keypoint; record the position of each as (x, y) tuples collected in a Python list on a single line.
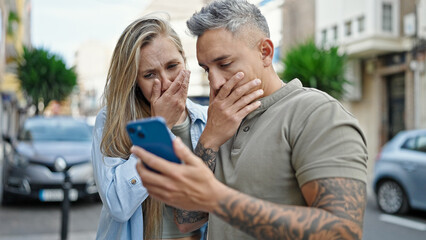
[(246, 129), (133, 181)]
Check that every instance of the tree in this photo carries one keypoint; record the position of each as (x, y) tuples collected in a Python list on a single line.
[(44, 76), (316, 67)]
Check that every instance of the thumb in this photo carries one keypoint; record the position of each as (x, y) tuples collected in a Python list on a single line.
[(183, 152), (156, 91)]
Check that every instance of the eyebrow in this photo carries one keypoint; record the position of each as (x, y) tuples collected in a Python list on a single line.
[(216, 59)]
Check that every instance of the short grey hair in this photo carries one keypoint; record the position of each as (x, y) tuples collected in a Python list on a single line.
[(229, 14)]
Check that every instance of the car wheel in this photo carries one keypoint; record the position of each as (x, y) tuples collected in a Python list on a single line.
[(391, 198)]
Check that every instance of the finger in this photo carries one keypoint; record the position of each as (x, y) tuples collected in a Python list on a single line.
[(150, 178), (153, 161), (156, 90), (229, 85), (177, 83), (183, 152), (248, 109), (243, 90), (183, 91), (246, 100)]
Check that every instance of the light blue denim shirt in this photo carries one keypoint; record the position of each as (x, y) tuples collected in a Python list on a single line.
[(119, 185)]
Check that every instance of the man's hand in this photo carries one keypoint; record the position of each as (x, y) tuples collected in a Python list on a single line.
[(171, 104), (228, 108), (190, 186)]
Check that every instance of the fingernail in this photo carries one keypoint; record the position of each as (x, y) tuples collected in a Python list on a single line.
[(257, 81), (260, 91), (240, 75)]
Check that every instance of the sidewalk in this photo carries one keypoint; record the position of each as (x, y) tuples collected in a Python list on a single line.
[(50, 236)]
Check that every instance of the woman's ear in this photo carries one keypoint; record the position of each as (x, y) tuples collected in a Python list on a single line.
[(267, 51)]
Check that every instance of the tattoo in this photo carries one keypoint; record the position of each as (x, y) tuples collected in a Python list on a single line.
[(183, 216), (337, 213), (208, 155)]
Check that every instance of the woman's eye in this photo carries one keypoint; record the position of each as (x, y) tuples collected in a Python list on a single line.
[(148, 75), (206, 70)]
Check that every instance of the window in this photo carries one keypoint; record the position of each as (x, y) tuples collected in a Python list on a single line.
[(410, 144), (416, 144), (421, 143), (361, 24), (323, 36), (348, 28), (335, 34), (387, 17)]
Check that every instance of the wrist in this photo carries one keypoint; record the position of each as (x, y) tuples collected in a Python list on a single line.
[(208, 141), (220, 193)]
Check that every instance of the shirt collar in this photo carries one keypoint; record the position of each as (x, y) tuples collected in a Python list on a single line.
[(196, 111)]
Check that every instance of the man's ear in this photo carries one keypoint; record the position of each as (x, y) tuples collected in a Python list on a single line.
[(267, 51)]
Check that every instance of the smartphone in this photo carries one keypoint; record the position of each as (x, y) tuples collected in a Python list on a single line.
[(152, 135)]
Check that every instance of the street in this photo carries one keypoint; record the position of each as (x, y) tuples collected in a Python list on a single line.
[(41, 221), (382, 226)]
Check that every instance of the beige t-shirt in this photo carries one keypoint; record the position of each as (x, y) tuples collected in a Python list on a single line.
[(170, 230), (297, 135)]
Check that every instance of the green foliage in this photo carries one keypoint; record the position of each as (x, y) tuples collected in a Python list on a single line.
[(12, 19), (316, 67), (44, 76)]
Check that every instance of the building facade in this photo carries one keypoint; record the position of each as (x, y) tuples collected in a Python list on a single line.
[(386, 62)]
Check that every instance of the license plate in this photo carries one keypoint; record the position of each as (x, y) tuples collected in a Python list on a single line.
[(56, 195)]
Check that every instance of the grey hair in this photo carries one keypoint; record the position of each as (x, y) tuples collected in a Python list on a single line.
[(229, 14)]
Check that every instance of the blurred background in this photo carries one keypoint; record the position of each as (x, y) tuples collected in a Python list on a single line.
[(372, 50)]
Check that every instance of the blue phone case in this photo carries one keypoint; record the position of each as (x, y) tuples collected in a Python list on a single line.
[(152, 135)]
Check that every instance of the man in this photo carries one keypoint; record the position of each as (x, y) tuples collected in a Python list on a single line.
[(293, 168)]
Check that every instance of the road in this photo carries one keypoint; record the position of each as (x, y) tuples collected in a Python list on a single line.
[(31, 221), (41, 221), (382, 226)]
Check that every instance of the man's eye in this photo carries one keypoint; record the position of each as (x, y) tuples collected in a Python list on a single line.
[(225, 65), (171, 66)]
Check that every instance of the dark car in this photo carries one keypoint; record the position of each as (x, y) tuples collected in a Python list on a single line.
[(35, 162), (400, 173)]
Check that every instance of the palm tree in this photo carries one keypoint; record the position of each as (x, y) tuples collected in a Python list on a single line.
[(44, 77), (316, 67)]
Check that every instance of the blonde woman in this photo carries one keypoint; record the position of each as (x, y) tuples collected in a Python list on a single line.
[(147, 77)]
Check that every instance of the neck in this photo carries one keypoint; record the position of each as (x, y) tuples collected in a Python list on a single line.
[(271, 83)]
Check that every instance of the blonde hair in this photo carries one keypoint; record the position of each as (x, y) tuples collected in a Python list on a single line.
[(124, 100)]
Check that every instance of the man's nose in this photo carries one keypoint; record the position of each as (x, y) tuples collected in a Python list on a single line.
[(216, 80)]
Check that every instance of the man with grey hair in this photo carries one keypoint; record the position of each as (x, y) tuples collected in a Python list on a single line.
[(289, 164)]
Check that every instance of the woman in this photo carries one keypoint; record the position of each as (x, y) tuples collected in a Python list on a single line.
[(147, 77)]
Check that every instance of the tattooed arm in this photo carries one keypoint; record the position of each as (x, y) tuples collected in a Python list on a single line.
[(188, 221), (336, 211)]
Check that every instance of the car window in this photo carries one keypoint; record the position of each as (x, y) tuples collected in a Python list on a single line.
[(55, 130), (410, 144), (415, 143), (421, 143)]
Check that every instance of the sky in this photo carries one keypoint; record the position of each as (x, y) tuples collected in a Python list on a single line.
[(60, 26)]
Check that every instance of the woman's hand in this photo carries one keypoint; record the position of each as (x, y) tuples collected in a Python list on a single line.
[(171, 104)]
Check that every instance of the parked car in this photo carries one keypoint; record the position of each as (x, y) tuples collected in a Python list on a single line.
[(400, 173), (46, 147)]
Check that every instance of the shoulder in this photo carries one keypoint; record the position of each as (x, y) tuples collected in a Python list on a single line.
[(100, 118), (304, 101)]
